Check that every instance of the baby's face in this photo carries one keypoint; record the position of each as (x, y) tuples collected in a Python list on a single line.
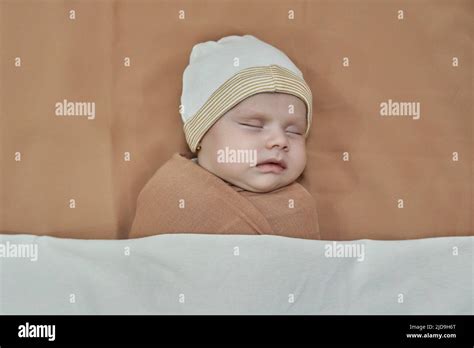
[(268, 125)]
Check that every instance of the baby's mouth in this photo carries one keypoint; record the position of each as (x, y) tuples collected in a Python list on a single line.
[(271, 166)]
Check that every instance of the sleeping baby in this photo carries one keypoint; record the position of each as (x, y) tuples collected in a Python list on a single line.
[(247, 113)]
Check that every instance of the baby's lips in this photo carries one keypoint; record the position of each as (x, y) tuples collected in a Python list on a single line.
[(270, 168), (274, 160)]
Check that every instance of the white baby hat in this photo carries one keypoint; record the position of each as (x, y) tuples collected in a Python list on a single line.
[(221, 74)]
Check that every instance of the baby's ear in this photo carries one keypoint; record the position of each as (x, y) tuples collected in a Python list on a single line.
[(187, 154)]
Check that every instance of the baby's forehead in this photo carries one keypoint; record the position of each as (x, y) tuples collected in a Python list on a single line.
[(271, 100), (267, 110)]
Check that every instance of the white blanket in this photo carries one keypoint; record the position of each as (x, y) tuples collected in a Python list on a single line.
[(235, 274)]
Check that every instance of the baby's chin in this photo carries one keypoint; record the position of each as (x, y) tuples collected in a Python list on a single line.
[(263, 184)]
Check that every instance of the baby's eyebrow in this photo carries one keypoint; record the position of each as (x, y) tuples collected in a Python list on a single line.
[(252, 116), (251, 113)]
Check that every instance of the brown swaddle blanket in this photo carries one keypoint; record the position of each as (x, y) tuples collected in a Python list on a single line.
[(183, 197)]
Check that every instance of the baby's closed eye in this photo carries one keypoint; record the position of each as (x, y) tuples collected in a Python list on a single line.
[(294, 130), (259, 125), (250, 124)]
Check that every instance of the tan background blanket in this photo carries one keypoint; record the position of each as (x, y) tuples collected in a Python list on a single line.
[(372, 176)]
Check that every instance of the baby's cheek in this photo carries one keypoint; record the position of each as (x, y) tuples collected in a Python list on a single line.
[(300, 156), (296, 168), (234, 172)]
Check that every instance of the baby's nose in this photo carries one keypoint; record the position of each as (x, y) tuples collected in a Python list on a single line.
[(277, 138)]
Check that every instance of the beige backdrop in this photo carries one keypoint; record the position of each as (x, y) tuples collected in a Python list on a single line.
[(390, 158)]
